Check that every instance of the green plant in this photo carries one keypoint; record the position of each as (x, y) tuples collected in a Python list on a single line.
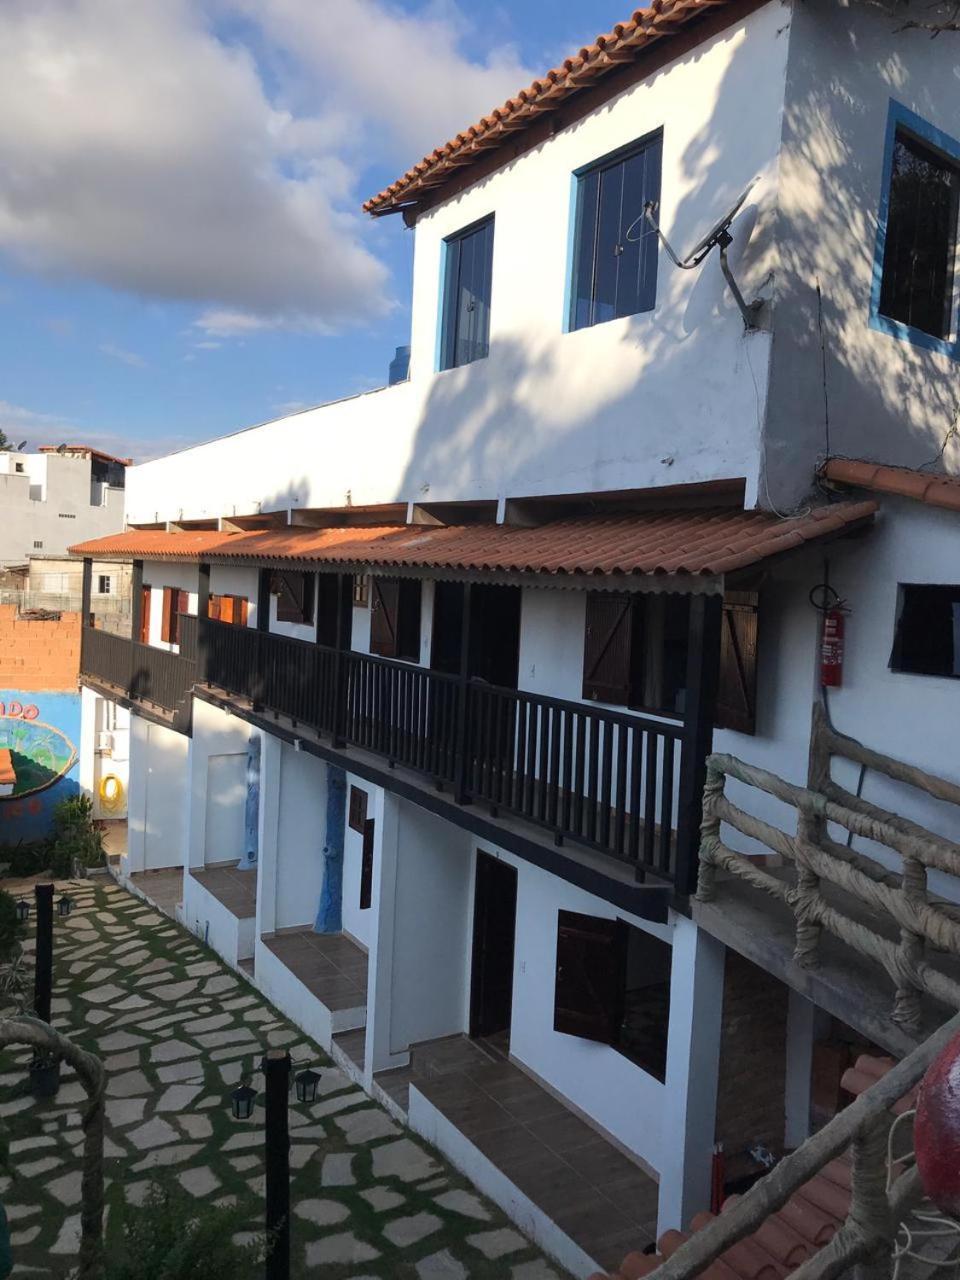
[(11, 930), (172, 1236), (74, 837), (26, 858)]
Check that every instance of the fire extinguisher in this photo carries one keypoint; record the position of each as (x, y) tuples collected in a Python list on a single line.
[(833, 613)]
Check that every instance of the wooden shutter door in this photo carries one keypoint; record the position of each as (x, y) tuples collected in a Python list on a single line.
[(240, 609), (384, 609), (737, 690), (146, 595), (166, 621), (226, 609), (366, 866), (607, 646), (213, 608), (590, 975)]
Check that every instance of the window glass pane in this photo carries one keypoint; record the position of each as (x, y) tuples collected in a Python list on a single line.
[(918, 258), (586, 248), (646, 1002), (928, 631), (608, 244), (466, 307), (637, 279), (614, 276)]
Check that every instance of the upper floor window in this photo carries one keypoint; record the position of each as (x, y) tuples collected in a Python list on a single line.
[(465, 324), (232, 609), (927, 638), (614, 250), (294, 592), (395, 607), (914, 286)]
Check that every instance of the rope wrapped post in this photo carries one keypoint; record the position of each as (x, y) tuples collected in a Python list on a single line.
[(25, 1030), (870, 1212), (906, 1009), (710, 831), (806, 897)]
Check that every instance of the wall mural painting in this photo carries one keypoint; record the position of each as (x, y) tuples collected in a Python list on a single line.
[(38, 760)]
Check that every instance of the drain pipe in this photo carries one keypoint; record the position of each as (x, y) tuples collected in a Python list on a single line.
[(251, 809), (330, 911)]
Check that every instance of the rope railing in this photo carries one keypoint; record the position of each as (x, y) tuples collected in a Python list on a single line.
[(817, 859), (867, 1238)]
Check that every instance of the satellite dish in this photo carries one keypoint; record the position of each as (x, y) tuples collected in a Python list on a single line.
[(719, 229), (719, 236), (21, 446)]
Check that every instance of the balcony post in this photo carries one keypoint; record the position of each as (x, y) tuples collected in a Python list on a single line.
[(263, 600), (461, 787), (136, 600), (86, 590), (203, 592), (703, 672)]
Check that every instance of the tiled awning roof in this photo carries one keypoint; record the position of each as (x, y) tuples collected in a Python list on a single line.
[(692, 542), (607, 53), (925, 486)]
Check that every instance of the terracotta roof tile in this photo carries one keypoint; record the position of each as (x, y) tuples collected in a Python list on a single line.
[(925, 486), (607, 53), (691, 542)]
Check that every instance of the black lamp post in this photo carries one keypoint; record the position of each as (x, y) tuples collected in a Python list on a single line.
[(64, 905)]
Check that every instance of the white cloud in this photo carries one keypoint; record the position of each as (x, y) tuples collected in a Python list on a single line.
[(20, 423), (144, 148), (125, 357)]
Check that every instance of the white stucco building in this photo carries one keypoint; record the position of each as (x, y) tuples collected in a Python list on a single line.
[(422, 683), (55, 497)]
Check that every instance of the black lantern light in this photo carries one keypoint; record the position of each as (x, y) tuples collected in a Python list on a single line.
[(64, 905), (241, 1102), (306, 1082), (23, 910)]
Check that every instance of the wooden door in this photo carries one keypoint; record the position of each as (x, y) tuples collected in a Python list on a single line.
[(494, 932)]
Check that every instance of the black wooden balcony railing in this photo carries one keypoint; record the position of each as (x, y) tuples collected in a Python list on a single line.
[(601, 778), (142, 673)]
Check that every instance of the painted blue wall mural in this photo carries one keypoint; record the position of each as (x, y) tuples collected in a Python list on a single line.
[(39, 750), (330, 911), (251, 809)]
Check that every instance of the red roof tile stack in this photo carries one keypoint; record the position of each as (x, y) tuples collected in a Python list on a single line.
[(607, 53), (924, 486), (691, 542), (807, 1222)]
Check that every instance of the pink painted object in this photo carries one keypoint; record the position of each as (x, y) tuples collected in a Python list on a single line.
[(936, 1130)]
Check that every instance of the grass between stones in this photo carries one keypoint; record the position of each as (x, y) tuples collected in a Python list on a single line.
[(175, 1029)]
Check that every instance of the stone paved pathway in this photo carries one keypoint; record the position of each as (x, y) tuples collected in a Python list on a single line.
[(175, 1028)]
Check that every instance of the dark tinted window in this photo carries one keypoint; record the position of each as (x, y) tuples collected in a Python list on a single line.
[(615, 275), (465, 333), (918, 255), (927, 640)]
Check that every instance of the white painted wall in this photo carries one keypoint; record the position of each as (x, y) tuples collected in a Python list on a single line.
[(50, 503), (217, 785), (98, 716), (226, 801), (429, 990), (681, 393), (302, 821), (158, 799)]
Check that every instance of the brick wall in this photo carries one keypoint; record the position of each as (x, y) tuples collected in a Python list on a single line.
[(37, 656), (753, 1051)]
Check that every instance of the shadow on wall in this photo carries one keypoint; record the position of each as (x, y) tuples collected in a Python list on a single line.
[(883, 398), (683, 384)]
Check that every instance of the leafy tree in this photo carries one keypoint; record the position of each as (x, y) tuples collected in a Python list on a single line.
[(4, 441), (173, 1236), (74, 838)]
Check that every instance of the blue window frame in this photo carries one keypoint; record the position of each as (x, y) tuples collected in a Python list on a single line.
[(614, 249), (465, 322), (914, 287)]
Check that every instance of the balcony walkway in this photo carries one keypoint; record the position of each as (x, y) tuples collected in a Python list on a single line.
[(594, 1194), (234, 889)]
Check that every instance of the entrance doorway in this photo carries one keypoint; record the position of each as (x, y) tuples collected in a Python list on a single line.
[(494, 929), (494, 650)]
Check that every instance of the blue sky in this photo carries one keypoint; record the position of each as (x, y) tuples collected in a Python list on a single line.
[(181, 247)]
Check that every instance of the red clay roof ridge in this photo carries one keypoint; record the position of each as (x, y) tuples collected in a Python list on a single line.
[(935, 488)]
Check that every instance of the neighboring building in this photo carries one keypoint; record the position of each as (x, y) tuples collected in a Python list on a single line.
[(423, 683), (55, 497)]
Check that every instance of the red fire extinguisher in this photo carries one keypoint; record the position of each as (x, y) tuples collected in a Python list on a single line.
[(833, 613)]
